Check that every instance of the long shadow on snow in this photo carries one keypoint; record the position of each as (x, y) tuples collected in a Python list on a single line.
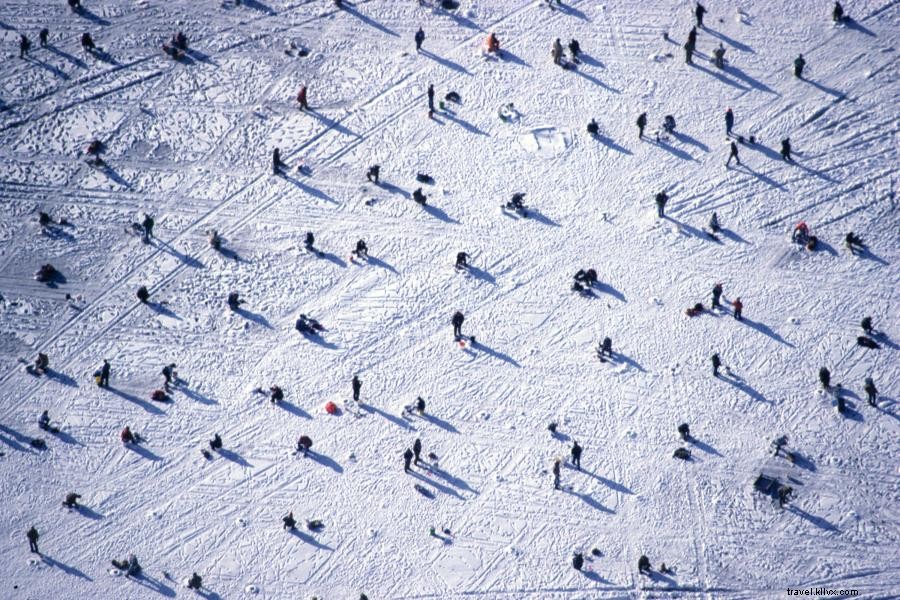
[(704, 446), (368, 21), (332, 124), (765, 329), (315, 193), (461, 122), (88, 512), (61, 378), (672, 150), (318, 339), (460, 20), (380, 263), (571, 11), (144, 452), (70, 57), (201, 57), (538, 216), (481, 274), (255, 317), (395, 420), (590, 60), (495, 353), (719, 76), (440, 423), (150, 408), (819, 522), (294, 409), (618, 357), (440, 486), (305, 537), (257, 5), (686, 139), (609, 143), (439, 213), (761, 176), (823, 88), (326, 461), (208, 595), (53, 69), (95, 18), (613, 485), (506, 55), (233, 457), (446, 62), (731, 42), (850, 23), (229, 253), (869, 255), (596, 81), (20, 442), (153, 584), (454, 481), (880, 336), (589, 500), (66, 438), (334, 258), (739, 383), (67, 569), (161, 309), (605, 288), (169, 249), (594, 576), (195, 395), (393, 189)]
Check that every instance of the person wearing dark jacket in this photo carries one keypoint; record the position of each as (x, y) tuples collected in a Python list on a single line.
[(457, 322), (576, 455), (417, 450), (641, 123), (362, 250), (866, 325), (854, 242), (104, 374), (605, 348), (462, 260), (33, 536), (699, 11), (234, 300), (786, 149), (71, 500), (825, 377), (661, 199), (574, 48), (43, 36), (357, 385), (578, 561), (729, 122), (837, 15), (419, 197), (733, 153), (799, 64), (142, 294), (556, 468), (871, 391), (216, 442), (716, 363), (420, 37), (276, 394), (644, 567), (407, 459), (276, 161), (301, 98), (372, 173), (87, 42), (719, 56), (195, 582), (716, 294), (430, 99), (689, 48), (289, 521)]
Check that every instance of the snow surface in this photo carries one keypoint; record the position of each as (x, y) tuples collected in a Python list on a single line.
[(190, 142)]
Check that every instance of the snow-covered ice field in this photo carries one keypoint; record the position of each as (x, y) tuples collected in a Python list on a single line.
[(190, 142)]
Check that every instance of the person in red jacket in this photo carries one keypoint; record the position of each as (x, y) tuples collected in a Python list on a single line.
[(127, 436), (301, 98), (738, 307)]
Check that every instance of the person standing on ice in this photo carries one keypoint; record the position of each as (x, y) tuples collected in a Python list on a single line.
[(276, 161), (577, 561), (690, 45), (87, 43), (147, 228), (576, 455), (825, 377), (729, 122), (457, 322), (357, 384), (462, 260), (301, 98), (195, 582), (407, 459), (43, 36), (699, 11), (104, 374), (799, 63), (738, 308), (361, 251), (871, 391), (126, 436), (661, 199), (430, 100), (417, 450), (33, 536), (641, 123), (143, 294), (644, 567), (373, 173), (420, 37), (866, 325), (716, 363), (556, 467), (719, 56), (733, 153), (556, 52), (786, 149), (837, 15), (24, 45), (716, 294), (289, 521)]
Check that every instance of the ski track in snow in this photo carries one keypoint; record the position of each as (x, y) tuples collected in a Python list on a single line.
[(190, 142)]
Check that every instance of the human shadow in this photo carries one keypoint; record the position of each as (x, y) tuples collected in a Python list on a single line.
[(62, 378), (169, 249), (819, 522), (594, 576), (350, 10), (596, 81), (233, 457), (609, 143), (571, 11), (438, 213), (590, 501), (454, 481), (252, 316), (294, 409), (113, 175), (326, 461), (305, 537), (18, 442), (624, 359), (201, 57), (67, 438), (393, 189), (67, 569), (761, 176), (393, 419), (885, 340), (206, 595), (52, 68), (70, 57), (88, 512), (229, 253), (867, 254), (704, 446), (613, 485), (823, 88), (104, 56), (314, 192), (372, 260), (446, 426), (449, 115), (481, 274), (257, 5), (333, 124), (538, 216), (319, 340), (153, 584), (817, 173), (161, 309), (495, 353), (672, 150), (719, 76), (686, 139), (803, 461), (195, 395), (590, 60), (850, 23), (605, 288), (658, 577), (741, 385), (446, 62), (730, 41), (440, 486), (144, 452), (460, 19), (766, 330), (58, 233), (147, 406)]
